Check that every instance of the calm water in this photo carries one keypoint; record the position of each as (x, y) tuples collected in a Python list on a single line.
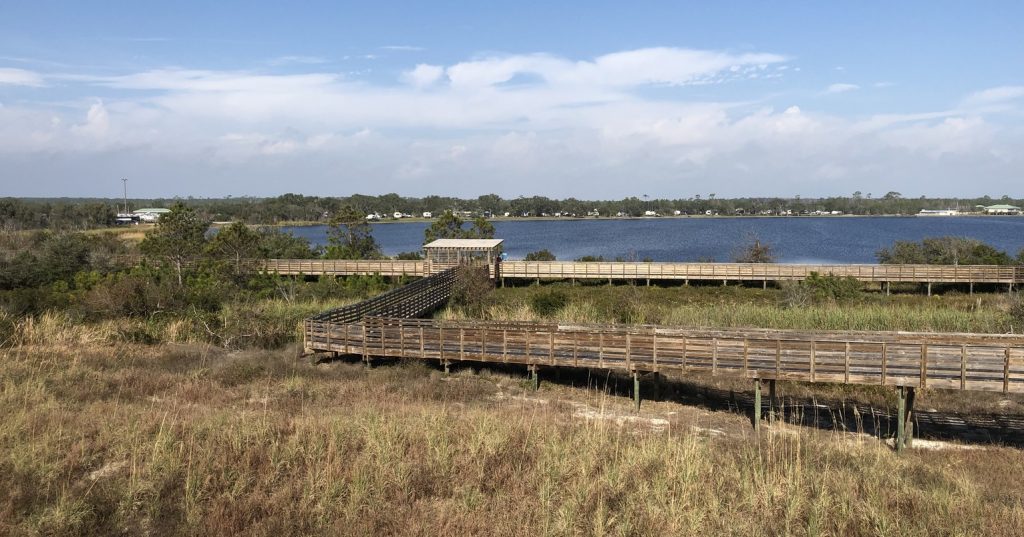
[(794, 240)]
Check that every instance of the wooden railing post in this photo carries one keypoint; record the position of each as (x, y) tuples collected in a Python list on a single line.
[(1006, 371), (963, 367), (924, 365)]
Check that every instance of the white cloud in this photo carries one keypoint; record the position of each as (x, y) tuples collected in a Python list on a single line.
[(841, 88), (996, 95), (19, 77), (668, 66), (423, 75), (534, 123)]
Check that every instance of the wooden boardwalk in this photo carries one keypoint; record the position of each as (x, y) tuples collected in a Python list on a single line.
[(918, 360), (610, 271), (387, 326)]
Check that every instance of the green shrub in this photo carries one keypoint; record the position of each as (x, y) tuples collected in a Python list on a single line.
[(1017, 312), (540, 255), (472, 291), (549, 302), (834, 287)]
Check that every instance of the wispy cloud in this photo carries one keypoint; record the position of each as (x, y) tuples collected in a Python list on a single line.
[(301, 60), (665, 66), (841, 88), (402, 48), (20, 77), (997, 95), (130, 39)]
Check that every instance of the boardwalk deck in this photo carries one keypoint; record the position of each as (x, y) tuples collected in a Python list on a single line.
[(760, 272), (919, 360)]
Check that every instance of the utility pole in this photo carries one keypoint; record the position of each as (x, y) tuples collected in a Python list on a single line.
[(125, 181)]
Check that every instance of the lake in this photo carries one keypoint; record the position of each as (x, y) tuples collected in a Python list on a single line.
[(794, 240)]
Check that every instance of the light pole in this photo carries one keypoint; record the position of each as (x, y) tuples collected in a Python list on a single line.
[(125, 181)]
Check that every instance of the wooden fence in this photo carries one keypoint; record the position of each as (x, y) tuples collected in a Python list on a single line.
[(669, 271), (920, 360)]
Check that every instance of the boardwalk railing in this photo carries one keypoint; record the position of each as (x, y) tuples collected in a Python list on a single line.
[(761, 272), (670, 271), (919, 360), (344, 267), (418, 298)]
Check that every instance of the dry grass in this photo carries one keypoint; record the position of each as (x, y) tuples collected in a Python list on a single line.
[(264, 323), (134, 440)]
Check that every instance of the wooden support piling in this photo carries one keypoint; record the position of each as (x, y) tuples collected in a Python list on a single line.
[(901, 407), (636, 389), (757, 404)]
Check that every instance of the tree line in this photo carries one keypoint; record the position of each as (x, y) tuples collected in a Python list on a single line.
[(16, 213)]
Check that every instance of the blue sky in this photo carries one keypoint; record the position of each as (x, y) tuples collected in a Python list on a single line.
[(593, 100)]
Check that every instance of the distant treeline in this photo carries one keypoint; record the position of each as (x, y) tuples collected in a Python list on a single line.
[(68, 213)]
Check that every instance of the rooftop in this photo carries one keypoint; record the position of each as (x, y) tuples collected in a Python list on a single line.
[(464, 243)]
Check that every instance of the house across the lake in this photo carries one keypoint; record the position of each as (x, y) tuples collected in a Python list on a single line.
[(1000, 209)]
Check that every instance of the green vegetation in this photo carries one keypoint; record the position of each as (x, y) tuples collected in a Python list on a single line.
[(945, 251), (755, 252), (350, 236), (450, 226), (549, 302), (540, 255), (825, 303), (188, 286)]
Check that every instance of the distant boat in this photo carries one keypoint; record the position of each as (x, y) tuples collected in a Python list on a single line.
[(938, 212)]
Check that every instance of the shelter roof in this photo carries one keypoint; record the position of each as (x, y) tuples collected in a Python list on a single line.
[(467, 244)]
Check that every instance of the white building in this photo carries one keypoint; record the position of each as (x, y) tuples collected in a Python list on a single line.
[(150, 214)]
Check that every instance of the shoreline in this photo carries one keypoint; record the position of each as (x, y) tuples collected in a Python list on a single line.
[(414, 220)]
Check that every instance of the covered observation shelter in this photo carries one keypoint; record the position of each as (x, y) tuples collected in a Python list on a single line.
[(442, 254)]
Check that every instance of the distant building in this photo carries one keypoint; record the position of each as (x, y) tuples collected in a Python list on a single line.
[(150, 214), (428, 214), (650, 213), (397, 215), (1000, 209)]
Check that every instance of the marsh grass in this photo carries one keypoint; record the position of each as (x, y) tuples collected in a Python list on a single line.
[(191, 439), (740, 307)]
